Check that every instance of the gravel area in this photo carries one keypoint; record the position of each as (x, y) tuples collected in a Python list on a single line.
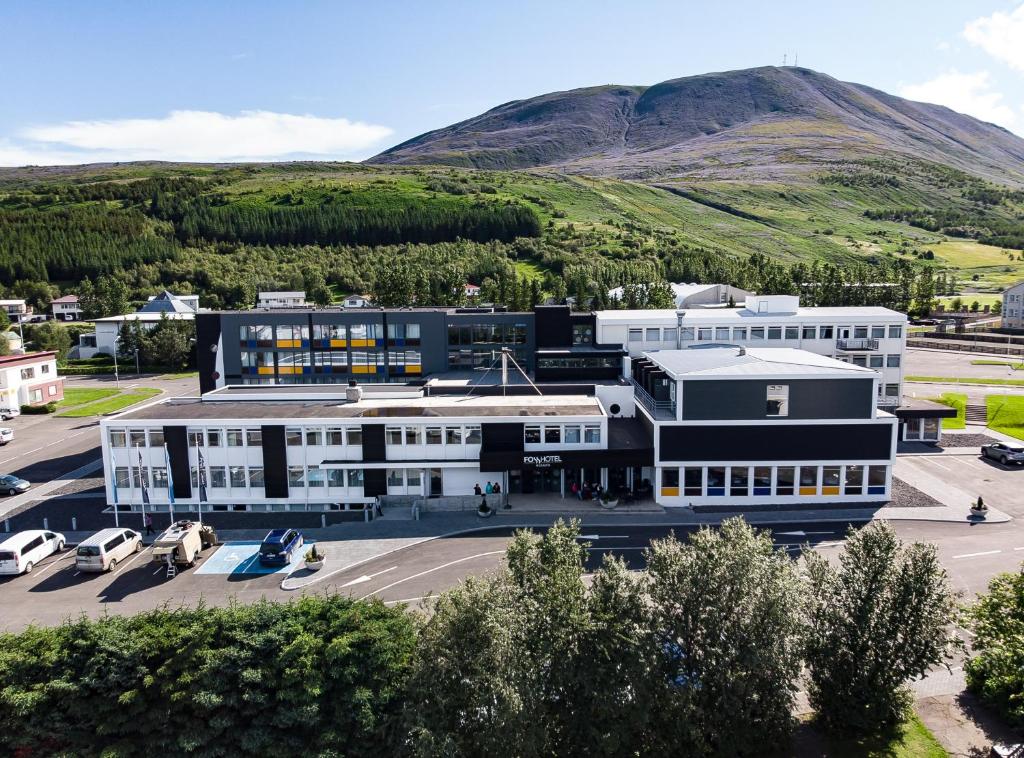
[(79, 485), (965, 440), (905, 496)]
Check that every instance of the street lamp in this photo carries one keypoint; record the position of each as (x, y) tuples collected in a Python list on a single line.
[(117, 379), (137, 372)]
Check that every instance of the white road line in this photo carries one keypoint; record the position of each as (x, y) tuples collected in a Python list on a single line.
[(22, 454), (131, 561), (975, 555), (367, 577), (1019, 548), (432, 570), (947, 468), (51, 565), (76, 573), (158, 570)]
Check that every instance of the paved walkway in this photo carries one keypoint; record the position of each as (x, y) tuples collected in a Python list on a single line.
[(40, 491)]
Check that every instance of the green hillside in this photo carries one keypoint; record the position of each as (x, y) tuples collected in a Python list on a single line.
[(226, 231)]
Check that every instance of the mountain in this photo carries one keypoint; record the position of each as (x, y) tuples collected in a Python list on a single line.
[(756, 124)]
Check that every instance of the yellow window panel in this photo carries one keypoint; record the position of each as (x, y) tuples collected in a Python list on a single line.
[(829, 490), (413, 369), (808, 490), (669, 491), (339, 343), (265, 370)]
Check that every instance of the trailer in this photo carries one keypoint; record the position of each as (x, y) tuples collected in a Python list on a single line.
[(181, 544)]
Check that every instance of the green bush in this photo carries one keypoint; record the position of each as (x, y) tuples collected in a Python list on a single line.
[(996, 670), (38, 410)]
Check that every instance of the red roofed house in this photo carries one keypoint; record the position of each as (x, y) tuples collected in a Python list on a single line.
[(29, 380), (66, 308)]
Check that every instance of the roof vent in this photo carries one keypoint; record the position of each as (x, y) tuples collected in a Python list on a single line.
[(353, 393), (742, 351)]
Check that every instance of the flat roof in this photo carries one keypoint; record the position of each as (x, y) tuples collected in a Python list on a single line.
[(740, 314), (536, 406), (750, 362), (149, 316)]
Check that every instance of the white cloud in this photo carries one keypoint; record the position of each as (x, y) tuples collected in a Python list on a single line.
[(967, 93), (194, 136), (1001, 35)]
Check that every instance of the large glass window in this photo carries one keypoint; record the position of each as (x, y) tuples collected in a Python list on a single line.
[(722, 333), (670, 482), (784, 480), (335, 436), (892, 361), (254, 437), (778, 400), (878, 332), (117, 438), (237, 476), (739, 481), (792, 332), (136, 438), (762, 480), (315, 476), (293, 436), (396, 477), (195, 437), (739, 334), (213, 438), (473, 436), (336, 477), (636, 335), (757, 333), (705, 334), (234, 437), (413, 435), (572, 434), (830, 480), (895, 331), (591, 434), (854, 480), (687, 333), (716, 480), (296, 476), (808, 480), (434, 436), (355, 477), (552, 435), (860, 332), (693, 481), (159, 478), (393, 435), (774, 332), (531, 435), (453, 435), (809, 332), (876, 361), (876, 480), (122, 478), (652, 334), (156, 437), (354, 435), (218, 477), (826, 332)]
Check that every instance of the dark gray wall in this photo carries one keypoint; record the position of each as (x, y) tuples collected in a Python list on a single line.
[(746, 399)]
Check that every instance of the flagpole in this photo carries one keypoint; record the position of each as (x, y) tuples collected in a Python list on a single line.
[(202, 483), (113, 475), (143, 485), (170, 482)]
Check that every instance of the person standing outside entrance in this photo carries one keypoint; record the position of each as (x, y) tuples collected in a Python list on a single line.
[(148, 522)]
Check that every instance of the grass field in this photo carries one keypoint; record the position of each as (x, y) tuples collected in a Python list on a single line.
[(963, 380), (1006, 414), (910, 740), (81, 395), (1014, 366), (111, 404), (969, 297), (953, 400), (182, 375)]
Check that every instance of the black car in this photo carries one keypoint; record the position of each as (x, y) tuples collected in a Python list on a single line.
[(1005, 454)]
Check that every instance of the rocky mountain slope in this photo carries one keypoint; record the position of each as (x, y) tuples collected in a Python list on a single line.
[(756, 124)]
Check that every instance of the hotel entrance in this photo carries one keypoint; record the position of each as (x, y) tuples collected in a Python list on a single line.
[(530, 480)]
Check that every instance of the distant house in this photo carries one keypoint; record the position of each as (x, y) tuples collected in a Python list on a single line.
[(168, 302), (108, 329), (66, 308), (356, 301), (295, 299), (29, 379), (16, 310), (694, 295), (14, 343), (1013, 307), (471, 290)]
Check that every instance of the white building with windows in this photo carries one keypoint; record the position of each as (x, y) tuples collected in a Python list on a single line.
[(29, 379), (66, 308), (868, 337), (296, 299), (1013, 307)]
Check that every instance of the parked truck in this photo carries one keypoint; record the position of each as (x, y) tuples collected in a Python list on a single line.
[(181, 544)]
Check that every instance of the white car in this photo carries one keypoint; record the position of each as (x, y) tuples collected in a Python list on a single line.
[(105, 549), (6, 435), (20, 552), (7, 413)]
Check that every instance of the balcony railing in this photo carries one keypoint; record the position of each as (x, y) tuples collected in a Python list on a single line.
[(658, 408), (857, 343)]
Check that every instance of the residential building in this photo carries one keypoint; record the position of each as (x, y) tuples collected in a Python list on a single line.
[(694, 295), (471, 290), (752, 426), (14, 342), (66, 308), (1013, 307), (29, 379), (282, 300), (356, 301), (108, 330), (168, 302), (868, 337), (16, 309)]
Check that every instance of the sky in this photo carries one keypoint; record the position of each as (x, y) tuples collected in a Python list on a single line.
[(300, 79)]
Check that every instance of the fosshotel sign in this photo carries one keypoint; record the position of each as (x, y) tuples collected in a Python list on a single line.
[(542, 460)]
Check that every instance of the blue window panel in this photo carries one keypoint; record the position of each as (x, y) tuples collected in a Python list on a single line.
[(399, 342), (307, 369), (876, 490), (250, 344), (762, 490), (305, 343), (716, 491)]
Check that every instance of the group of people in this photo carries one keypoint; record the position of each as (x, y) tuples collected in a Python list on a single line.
[(490, 489), (586, 491)]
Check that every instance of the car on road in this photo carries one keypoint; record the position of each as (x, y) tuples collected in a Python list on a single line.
[(1005, 454), (12, 485), (6, 435), (105, 549), (9, 413), (279, 546), (19, 553)]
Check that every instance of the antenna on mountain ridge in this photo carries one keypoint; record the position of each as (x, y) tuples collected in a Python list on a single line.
[(783, 59), (796, 59)]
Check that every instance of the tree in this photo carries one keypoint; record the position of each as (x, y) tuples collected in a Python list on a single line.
[(5, 321), (878, 620), (112, 296), (997, 307), (659, 295), (52, 335), (5, 344), (726, 609), (168, 345), (995, 671)]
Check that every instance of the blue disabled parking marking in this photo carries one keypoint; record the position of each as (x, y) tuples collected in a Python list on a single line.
[(242, 557)]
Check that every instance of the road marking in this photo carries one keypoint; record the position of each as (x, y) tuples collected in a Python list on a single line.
[(22, 454), (947, 468), (76, 573), (367, 577), (800, 534), (131, 561), (432, 570), (159, 569), (603, 537), (975, 555), (1019, 548)]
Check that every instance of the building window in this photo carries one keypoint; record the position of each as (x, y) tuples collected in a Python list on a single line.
[(195, 437), (739, 334), (636, 335), (693, 481), (830, 480), (854, 480), (354, 435), (687, 333), (453, 435), (895, 331), (28, 373), (810, 332), (777, 400), (808, 480), (45, 368), (234, 437), (878, 332), (553, 435), (892, 361), (434, 435), (396, 477), (293, 437), (704, 334), (412, 477), (336, 477), (762, 480), (136, 438), (316, 476), (213, 438), (36, 396), (572, 434), (254, 437), (591, 434), (892, 390), (739, 481), (413, 435), (859, 360), (256, 477), (757, 333), (774, 332), (716, 481), (722, 333), (876, 480), (237, 476), (792, 332), (860, 332), (669, 335), (355, 477), (121, 477), (531, 435), (218, 477), (669, 482), (652, 335), (117, 438), (314, 437), (393, 435), (473, 436), (160, 478), (784, 480), (296, 476), (876, 361), (156, 437), (51, 390)]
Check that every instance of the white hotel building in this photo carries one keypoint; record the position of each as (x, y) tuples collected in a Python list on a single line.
[(868, 337)]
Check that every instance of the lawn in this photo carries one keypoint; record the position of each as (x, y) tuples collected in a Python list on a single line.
[(82, 395), (963, 380), (911, 740), (180, 375), (1014, 366), (1006, 414), (953, 400), (111, 404)]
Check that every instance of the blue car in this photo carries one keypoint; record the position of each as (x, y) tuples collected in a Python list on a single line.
[(279, 546)]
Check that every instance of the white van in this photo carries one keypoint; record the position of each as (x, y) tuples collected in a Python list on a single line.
[(105, 549), (20, 552)]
